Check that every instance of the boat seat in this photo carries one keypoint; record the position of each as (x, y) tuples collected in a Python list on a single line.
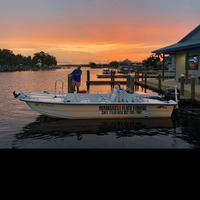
[(113, 97), (129, 98), (105, 98), (68, 98), (81, 98), (123, 96)]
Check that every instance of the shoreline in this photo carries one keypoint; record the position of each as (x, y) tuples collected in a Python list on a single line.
[(26, 68)]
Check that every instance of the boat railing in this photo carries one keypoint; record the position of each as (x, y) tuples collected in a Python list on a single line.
[(59, 80)]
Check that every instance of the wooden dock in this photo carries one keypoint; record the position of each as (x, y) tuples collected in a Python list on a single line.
[(139, 76), (109, 76), (189, 92), (105, 82), (151, 87)]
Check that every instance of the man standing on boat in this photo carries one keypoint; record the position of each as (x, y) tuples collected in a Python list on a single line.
[(76, 82)]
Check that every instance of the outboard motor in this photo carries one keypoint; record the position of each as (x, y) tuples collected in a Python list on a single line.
[(170, 94), (16, 94)]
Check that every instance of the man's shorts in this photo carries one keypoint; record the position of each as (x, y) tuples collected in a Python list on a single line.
[(77, 84)]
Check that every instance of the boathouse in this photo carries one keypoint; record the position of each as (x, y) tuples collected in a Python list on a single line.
[(185, 56)]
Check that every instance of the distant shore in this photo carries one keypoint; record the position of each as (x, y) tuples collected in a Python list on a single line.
[(38, 68), (28, 68)]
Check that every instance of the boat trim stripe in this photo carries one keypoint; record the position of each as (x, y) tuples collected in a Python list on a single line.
[(100, 103)]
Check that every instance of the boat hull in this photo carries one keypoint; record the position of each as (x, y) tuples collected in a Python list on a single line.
[(102, 111)]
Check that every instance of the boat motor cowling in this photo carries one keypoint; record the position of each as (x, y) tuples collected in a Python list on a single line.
[(16, 94), (170, 94)]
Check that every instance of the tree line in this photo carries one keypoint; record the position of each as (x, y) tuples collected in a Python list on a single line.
[(150, 62), (41, 60), (8, 60)]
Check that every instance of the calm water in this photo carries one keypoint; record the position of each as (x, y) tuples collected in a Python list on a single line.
[(21, 127)]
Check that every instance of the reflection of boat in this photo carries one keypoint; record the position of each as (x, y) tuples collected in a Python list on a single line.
[(64, 127), (153, 133), (48, 132), (106, 71), (116, 104)]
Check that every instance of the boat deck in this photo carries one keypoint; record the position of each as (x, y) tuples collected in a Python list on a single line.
[(109, 98)]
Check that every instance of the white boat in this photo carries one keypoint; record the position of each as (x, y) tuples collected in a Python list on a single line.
[(117, 104), (106, 71)]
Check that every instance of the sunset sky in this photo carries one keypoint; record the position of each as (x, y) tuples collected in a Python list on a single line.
[(101, 31)]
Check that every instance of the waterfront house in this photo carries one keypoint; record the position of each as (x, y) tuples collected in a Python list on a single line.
[(169, 65), (185, 55), (127, 66)]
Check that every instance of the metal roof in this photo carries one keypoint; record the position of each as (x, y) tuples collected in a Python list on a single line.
[(182, 45), (197, 29)]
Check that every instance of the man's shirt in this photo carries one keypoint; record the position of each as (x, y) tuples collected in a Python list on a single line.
[(77, 75)]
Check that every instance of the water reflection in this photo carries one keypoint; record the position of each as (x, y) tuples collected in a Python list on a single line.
[(188, 130), (133, 133), (48, 127)]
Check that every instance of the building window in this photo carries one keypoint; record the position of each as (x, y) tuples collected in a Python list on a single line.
[(193, 62)]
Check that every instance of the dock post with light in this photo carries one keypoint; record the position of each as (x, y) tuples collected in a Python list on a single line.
[(182, 80)]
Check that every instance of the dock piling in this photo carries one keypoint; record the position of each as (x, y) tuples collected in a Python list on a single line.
[(70, 86), (128, 81), (112, 78), (88, 80), (137, 76), (159, 83), (145, 79), (192, 87), (182, 84), (145, 82), (132, 84)]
